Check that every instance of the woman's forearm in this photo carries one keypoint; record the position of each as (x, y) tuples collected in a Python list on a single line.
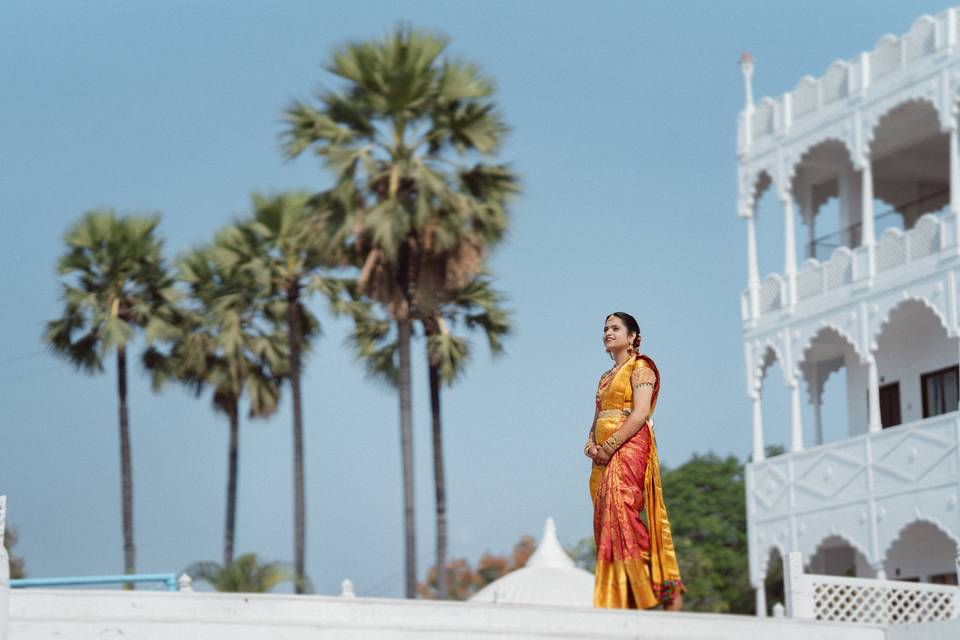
[(627, 430)]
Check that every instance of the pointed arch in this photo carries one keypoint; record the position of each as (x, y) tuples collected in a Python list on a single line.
[(918, 519), (907, 299), (921, 95), (824, 328)]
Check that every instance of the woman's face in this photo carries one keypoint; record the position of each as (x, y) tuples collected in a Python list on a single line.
[(615, 335)]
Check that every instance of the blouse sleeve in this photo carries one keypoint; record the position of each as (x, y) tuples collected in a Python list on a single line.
[(642, 374)]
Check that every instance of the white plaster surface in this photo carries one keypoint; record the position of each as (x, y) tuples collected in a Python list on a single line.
[(38, 614)]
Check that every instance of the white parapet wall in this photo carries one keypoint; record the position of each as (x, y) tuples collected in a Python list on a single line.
[(887, 602), (37, 614)]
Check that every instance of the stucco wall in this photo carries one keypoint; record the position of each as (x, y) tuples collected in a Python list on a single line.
[(88, 615)]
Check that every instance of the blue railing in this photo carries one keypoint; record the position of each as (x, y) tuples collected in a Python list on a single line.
[(168, 579)]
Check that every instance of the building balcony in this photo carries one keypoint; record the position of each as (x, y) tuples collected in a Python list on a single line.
[(864, 505), (930, 39), (897, 256)]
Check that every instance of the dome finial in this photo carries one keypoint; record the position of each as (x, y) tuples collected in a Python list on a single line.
[(549, 553)]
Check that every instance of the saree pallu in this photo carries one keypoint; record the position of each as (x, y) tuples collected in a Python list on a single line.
[(636, 560)]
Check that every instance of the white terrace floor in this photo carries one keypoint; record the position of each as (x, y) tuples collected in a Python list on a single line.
[(37, 614)]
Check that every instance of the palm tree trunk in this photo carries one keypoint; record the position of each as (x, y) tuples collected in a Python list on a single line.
[(126, 474), (406, 448), (439, 482), (299, 501), (232, 456)]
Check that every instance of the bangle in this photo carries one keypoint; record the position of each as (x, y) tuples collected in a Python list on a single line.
[(614, 441)]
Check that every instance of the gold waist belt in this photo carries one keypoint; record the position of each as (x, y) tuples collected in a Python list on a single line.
[(614, 413)]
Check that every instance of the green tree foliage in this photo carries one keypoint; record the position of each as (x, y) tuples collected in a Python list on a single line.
[(415, 209), (245, 574), (115, 284), (474, 307), (707, 506), (584, 554), (285, 253), (226, 345)]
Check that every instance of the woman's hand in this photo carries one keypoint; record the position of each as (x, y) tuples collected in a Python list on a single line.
[(601, 457), (592, 452)]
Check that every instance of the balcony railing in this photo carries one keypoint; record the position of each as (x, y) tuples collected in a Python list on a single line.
[(896, 248), (884, 602), (847, 78)]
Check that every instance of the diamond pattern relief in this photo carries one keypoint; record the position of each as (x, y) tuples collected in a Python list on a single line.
[(828, 475), (770, 488), (913, 457)]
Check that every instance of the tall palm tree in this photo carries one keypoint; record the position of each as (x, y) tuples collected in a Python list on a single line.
[(475, 306), (284, 251), (400, 136), (115, 284), (246, 574), (224, 345)]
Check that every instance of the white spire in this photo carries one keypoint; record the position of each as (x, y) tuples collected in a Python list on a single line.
[(549, 553), (746, 67), (549, 577)]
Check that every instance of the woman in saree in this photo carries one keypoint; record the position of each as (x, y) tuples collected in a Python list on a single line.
[(636, 560)]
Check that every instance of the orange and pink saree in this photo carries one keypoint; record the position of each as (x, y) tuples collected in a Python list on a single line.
[(636, 561)]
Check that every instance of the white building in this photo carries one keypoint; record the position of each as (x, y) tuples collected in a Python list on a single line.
[(875, 301)]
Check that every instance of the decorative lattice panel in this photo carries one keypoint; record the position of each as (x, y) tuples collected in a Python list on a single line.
[(770, 297), (925, 237), (763, 119), (804, 97), (921, 41), (856, 602), (892, 250), (809, 280), (839, 269), (885, 58), (834, 84)]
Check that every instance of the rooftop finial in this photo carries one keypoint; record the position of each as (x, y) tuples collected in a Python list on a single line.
[(549, 553), (746, 68)]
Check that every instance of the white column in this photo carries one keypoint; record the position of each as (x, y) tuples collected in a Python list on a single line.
[(805, 200), (758, 452), (796, 426), (818, 410), (753, 270), (955, 180), (790, 248), (761, 598), (873, 393), (868, 236), (879, 569)]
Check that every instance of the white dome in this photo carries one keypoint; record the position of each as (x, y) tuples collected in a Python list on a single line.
[(549, 577)]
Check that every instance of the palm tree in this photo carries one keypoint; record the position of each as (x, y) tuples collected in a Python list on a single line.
[(224, 345), (246, 574), (116, 284), (475, 306), (416, 217), (283, 250)]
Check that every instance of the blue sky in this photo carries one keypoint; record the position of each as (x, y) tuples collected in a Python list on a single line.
[(623, 117)]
